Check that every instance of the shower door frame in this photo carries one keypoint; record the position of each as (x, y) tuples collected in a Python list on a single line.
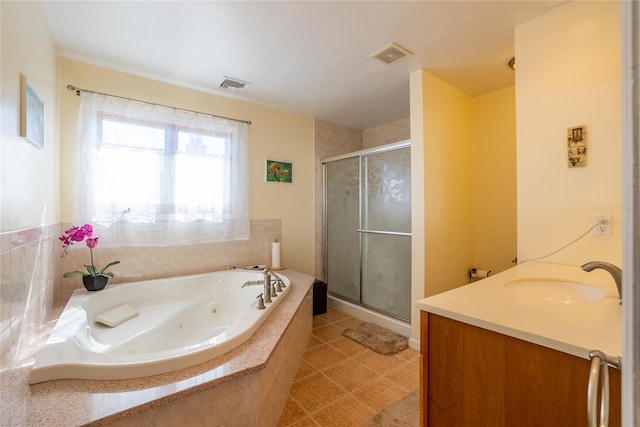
[(325, 259)]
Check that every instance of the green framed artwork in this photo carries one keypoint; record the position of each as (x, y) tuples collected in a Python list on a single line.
[(279, 171)]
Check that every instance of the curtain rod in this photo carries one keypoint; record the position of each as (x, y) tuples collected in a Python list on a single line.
[(77, 90)]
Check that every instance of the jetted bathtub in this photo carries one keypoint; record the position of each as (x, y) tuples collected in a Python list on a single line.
[(180, 322)]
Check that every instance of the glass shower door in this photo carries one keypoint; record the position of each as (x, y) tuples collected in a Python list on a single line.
[(368, 229), (386, 232), (342, 204)]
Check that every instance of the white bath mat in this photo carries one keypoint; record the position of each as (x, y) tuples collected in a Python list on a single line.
[(117, 315)]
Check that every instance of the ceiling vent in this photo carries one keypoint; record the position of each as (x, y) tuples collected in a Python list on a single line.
[(391, 53), (233, 85)]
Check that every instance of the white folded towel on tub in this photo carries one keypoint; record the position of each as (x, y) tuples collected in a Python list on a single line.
[(117, 315)]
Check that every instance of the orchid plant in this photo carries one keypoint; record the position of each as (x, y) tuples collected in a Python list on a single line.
[(77, 234)]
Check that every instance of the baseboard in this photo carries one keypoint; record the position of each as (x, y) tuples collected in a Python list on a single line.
[(362, 313), (414, 344)]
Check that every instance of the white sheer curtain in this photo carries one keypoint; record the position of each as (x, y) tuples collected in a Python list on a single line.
[(154, 175)]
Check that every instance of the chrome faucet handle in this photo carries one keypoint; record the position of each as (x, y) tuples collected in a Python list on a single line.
[(279, 279), (271, 277), (260, 302)]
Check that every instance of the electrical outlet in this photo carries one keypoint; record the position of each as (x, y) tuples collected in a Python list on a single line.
[(604, 224)]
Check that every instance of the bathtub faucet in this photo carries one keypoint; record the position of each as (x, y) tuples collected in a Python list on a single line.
[(252, 283), (267, 285), (269, 291), (279, 282), (272, 284), (615, 272)]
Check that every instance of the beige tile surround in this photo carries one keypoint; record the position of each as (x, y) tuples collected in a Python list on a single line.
[(154, 262), (333, 140), (395, 131), (32, 290), (247, 386), (30, 285), (28, 273)]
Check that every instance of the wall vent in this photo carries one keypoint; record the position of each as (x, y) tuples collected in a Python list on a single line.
[(233, 84), (391, 53)]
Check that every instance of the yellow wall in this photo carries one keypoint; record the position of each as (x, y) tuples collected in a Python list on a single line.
[(569, 74), (28, 183), (29, 211), (449, 239), (494, 179), (273, 133), (463, 185), (442, 220)]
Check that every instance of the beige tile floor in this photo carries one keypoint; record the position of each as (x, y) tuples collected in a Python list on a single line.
[(342, 383)]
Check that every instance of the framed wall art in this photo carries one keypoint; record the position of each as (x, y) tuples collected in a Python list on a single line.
[(577, 146), (279, 171), (31, 113)]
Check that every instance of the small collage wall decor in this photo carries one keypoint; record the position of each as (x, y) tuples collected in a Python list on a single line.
[(577, 146)]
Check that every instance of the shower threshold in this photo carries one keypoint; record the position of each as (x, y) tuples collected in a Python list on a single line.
[(363, 313)]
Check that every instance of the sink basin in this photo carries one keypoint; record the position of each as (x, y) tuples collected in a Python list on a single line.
[(555, 290)]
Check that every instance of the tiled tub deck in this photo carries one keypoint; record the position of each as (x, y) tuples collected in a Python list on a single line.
[(247, 386)]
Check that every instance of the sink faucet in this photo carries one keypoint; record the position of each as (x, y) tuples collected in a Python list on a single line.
[(615, 272)]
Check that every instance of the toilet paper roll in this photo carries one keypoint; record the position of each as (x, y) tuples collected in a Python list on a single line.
[(275, 254), (480, 274)]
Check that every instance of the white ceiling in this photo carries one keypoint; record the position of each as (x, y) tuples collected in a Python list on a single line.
[(305, 57)]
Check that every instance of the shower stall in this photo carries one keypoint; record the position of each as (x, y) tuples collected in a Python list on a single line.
[(367, 231)]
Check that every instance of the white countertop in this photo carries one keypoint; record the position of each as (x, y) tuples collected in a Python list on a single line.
[(571, 327)]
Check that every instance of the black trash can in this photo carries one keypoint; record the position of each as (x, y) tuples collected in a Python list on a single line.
[(319, 297)]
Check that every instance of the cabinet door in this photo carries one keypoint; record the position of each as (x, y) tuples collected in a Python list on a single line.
[(475, 377), (463, 375), (549, 386)]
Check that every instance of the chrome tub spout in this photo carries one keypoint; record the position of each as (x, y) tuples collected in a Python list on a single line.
[(252, 283)]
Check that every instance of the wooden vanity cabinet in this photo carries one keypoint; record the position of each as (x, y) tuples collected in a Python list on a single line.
[(474, 377)]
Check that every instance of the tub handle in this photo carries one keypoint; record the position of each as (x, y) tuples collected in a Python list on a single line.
[(260, 299), (272, 288), (599, 372)]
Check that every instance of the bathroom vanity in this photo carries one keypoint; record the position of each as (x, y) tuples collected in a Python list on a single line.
[(513, 349)]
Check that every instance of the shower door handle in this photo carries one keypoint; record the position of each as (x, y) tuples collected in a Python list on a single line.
[(393, 233)]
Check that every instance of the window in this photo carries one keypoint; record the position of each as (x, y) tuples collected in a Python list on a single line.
[(155, 175)]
